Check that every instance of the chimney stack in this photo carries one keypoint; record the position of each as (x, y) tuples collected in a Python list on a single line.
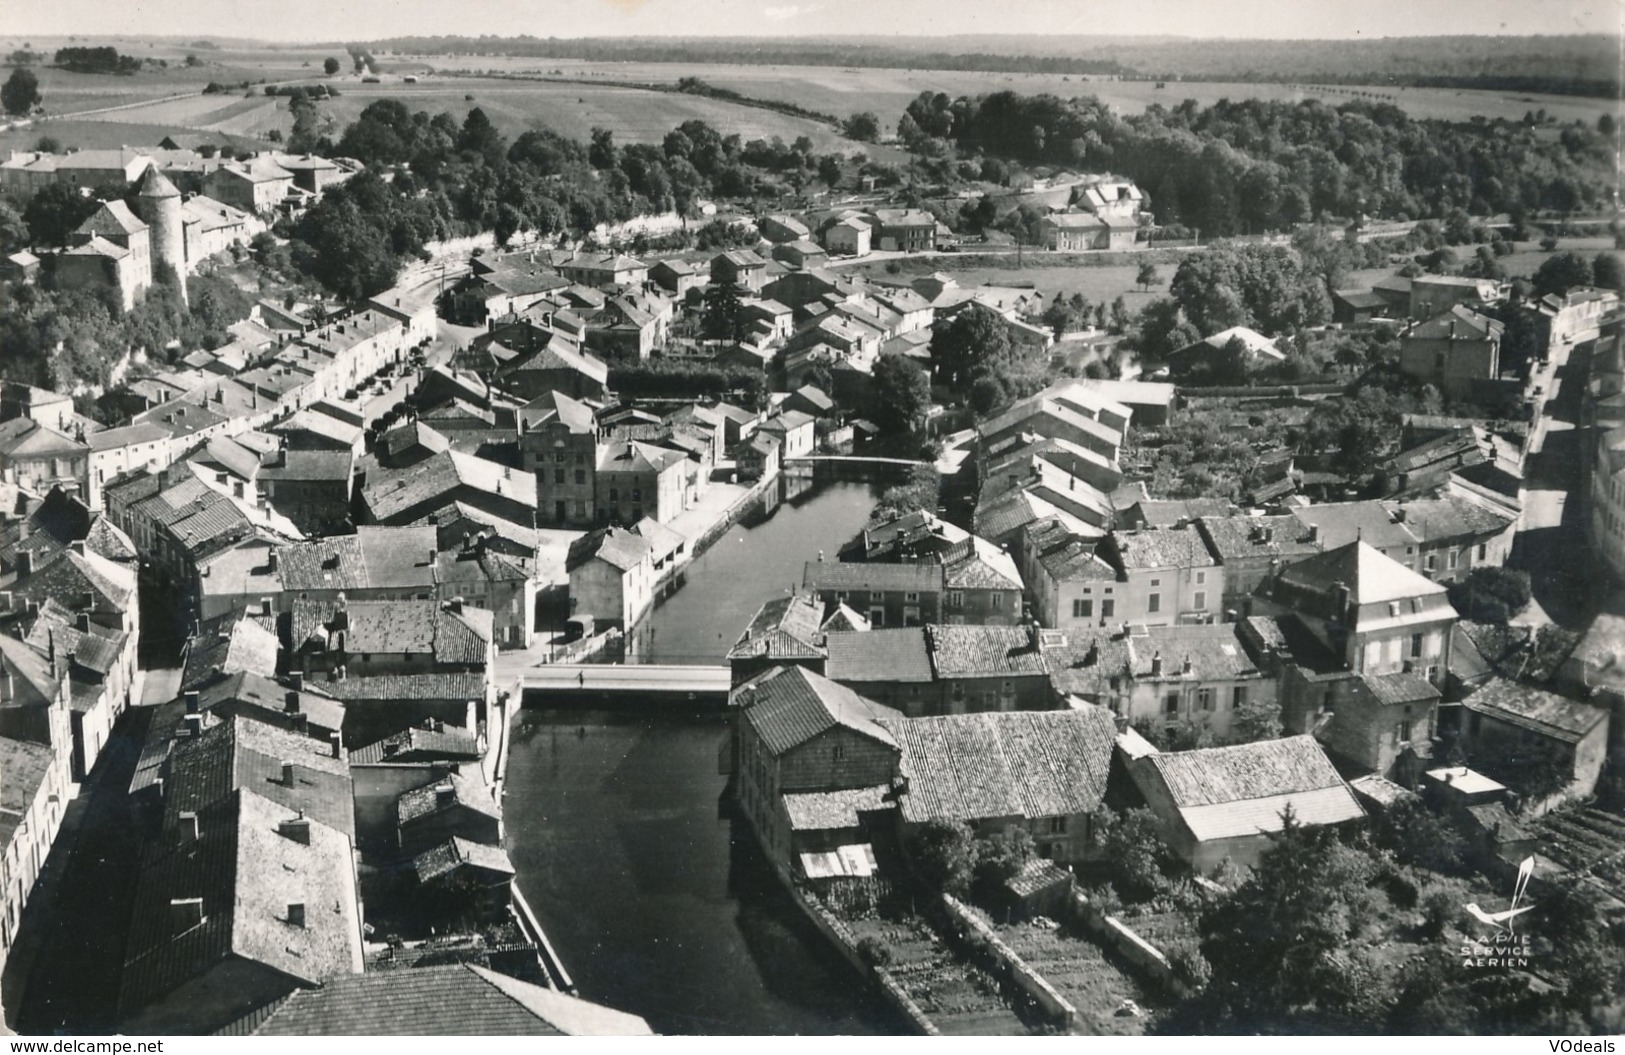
[(78, 546), (1156, 664), (336, 744), (296, 914), (297, 829), (192, 702), (1314, 533), (194, 726), (289, 776), (188, 828), (290, 701), (1185, 668), (296, 681)]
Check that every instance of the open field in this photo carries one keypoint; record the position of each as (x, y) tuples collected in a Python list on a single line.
[(842, 91), (1098, 284)]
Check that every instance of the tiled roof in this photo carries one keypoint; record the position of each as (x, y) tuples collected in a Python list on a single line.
[(1225, 792), (983, 651), (397, 557), (615, 546), (456, 853), (23, 769), (1400, 688), (233, 642), (783, 628), (976, 564), (304, 465), (1241, 537), (1450, 518), (452, 1000), (1536, 710), (241, 753), (432, 798), (390, 492), (1026, 764), (787, 706), (890, 654), (1460, 322), (247, 872), (817, 811), (1089, 660), (419, 744), (393, 627), (842, 618), (1370, 577), (1214, 651), (455, 685), (1164, 548), (909, 578), (1343, 522)]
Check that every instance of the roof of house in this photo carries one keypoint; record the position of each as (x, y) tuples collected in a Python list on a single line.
[(1397, 688), (1027, 764), (1241, 537), (391, 492), (425, 685), (231, 643), (819, 811), (1536, 710), (240, 867), (1371, 577), (1460, 322), (1228, 792), (24, 768), (970, 651), (974, 563), (615, 546), (784, 627), (888, 654), (425, 742), (787, 706), (447, 1000), (910, 578), (450, 791), (1450, 517), (1340, 523), (242, 753), (395, 627), (1213, 650), (1164, 548)]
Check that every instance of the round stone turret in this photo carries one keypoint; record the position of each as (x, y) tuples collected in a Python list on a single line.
[(160, 206)]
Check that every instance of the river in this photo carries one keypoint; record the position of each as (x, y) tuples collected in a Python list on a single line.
[(656, 903)]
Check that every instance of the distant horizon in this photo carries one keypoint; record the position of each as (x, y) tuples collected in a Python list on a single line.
[(333, 21)]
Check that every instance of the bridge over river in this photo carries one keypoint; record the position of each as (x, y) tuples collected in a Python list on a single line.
[(626, 684)]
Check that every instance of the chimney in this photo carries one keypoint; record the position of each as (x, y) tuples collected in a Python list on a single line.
[(1035, 637), (194, 726), (192, 702), (82, 621), (455, 605), (297, 829), (336, 744), (436, 725), (1092, 657), (1314, 533), (25, 564), (1185, 668), (444, 796), (1156, 664), (78, 546), (184, 914), (1399, 515), (296, 681), (291, 702), (188, 828), (270, 561), (1340, 599), (289, 775), (296, 914)]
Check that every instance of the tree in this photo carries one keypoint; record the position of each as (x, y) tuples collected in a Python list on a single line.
[(13, 229), (863, 127), (1607, 271), (1256, 719), (1274, 943), (1000, 858), (1491, 595), (1561, 273), (902, 394), (976, 336), (1147, 276), (20, 94), (330, 66), (602, 153), (1133, 849), (943, 854), (55, 212), (1417, 835), (721, 319)]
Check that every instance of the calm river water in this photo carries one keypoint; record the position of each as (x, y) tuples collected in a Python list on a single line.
[(653, 900)]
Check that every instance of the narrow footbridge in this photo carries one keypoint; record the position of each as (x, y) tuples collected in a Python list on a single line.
[(587, 684)]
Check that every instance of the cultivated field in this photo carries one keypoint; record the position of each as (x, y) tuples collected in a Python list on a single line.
[(1099, 284), (842, 91)]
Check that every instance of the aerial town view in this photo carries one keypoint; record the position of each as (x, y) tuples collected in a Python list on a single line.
[(909, 519)]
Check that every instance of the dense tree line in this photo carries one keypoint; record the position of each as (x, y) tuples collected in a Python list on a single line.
[(95, 60), (458, 178), (1250, 166)]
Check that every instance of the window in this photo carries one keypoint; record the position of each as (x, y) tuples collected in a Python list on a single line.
[(1201, 578), (1416, 645), (840, 596), (581, 477), (955, 598), (614, 494), (637, 494), (1402, 732), (1154, 603), (1170, 704), (1057, 825), (1239, 698), (1108, 608), (558, 476), (559, 457), (1453, 558), (1083, 609), (1201, 599), (581, 459), (998, 600), (1106, 589), (839, 752), (1156, 582), (1483, 552), (1432, 561), (911, 597), (1204, 699)]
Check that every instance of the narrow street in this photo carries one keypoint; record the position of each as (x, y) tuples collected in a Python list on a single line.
[(1551, 542)]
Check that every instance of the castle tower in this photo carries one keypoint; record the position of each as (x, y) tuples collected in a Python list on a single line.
[(161, 207)]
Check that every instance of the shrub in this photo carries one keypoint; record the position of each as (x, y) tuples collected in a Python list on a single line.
[(1440, 909), (874, 952), (1188, 963)]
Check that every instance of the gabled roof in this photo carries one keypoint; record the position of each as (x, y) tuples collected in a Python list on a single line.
[(889, 654), (1370, 577), (783, 628), (788, 706), (450, 1000), (247, 870), (451, 791), (113, 219), (1536, 710), (242, 753), (1340, 523), (909, 578), (615, 546), (395, 627), (976, 564), (1459, 323), (231, 643), (970, 651), (1023, 764), (1229, 792)]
